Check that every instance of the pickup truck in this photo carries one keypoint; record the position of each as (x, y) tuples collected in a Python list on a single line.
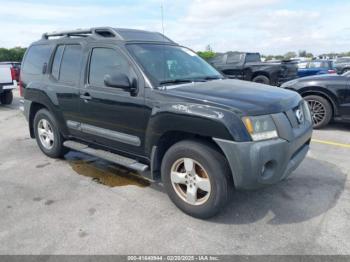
[(9, 76), (140, 100), (249, 67)]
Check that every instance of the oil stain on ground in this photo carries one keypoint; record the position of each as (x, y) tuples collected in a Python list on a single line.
[(108, 175)]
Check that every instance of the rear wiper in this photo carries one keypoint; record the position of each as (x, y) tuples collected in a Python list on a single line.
[(175, 81)]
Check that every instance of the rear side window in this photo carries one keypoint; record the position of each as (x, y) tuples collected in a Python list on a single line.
[(57, 62), (253, 58), (70, 64), (105, 61), (234, 58), (35, 59)]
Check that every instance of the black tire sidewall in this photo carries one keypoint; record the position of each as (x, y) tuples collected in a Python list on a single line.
[(57, 150), (215, 165), (261, 79), (328, 110)]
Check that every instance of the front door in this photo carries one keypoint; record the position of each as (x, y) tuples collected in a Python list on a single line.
[(112, 116)]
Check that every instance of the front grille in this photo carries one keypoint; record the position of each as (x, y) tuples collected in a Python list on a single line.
[(299, 115)]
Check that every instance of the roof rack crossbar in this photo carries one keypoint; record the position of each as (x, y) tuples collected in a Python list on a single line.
[(82, 32)]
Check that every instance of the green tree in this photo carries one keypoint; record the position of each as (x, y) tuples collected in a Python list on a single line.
[(290, 55), (12, 54)]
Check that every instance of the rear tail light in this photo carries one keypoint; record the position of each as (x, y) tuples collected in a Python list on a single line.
[(331, 71), (20, 86), (13, 73)]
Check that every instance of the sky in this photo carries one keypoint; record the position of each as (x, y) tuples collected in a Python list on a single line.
[(265, 26)]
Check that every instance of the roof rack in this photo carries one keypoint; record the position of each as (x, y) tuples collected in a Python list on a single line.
[(97, 31)]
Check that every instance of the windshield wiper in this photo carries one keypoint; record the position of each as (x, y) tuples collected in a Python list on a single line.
[(212, 77), (175, 81)]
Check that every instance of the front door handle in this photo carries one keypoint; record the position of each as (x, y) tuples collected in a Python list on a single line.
[(86, 96)]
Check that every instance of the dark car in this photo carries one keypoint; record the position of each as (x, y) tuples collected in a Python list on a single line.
[(140, 100), (328, 96), (315, 67), (249, 67), (342, 65)]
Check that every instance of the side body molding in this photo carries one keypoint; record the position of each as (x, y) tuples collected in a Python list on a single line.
[(102, 132)]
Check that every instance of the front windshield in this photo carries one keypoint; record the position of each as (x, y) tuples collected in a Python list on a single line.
[(166, 64)]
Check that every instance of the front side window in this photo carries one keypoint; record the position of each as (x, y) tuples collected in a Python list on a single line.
[(165, 64), (106, 61), (71, 64)]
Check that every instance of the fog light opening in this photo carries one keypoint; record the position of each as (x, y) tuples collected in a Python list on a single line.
[(267, 169)]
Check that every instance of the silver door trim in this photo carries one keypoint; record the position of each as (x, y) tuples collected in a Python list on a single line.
[(105, 133)]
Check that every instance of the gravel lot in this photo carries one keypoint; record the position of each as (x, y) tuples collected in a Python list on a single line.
[(50, 206)]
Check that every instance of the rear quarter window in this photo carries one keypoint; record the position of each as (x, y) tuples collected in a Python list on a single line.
[(35, 59)]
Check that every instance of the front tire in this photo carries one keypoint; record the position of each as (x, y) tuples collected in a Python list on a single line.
[(197, 178), (6, 98), (261, 79), (321, 110), (47, 134)]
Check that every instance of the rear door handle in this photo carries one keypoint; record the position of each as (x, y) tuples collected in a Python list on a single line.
[(86, 96)]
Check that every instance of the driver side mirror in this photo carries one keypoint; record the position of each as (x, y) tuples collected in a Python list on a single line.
[(118, 80)]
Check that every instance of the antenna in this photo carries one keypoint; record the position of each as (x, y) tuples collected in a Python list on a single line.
[(162, 13)]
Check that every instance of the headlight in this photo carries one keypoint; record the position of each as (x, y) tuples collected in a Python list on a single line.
[(260, 127)]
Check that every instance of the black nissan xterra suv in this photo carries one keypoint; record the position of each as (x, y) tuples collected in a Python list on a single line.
[(140, 100)]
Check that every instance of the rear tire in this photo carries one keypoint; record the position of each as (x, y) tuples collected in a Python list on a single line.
[(6, 98), (261, 79), (47, 134), (321, 110), (197, 178)]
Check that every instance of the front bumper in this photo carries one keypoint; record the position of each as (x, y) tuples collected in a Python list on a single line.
[(257, 164)]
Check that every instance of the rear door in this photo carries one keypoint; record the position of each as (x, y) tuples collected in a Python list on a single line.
[(64, 79)]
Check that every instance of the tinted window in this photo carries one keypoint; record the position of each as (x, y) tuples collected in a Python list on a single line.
[(57, 62), (35, 59), (234, 58), (252, 58), (70, 66), (106, 61)]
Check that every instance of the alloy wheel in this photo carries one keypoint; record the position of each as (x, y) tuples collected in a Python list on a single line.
[(46, 134), (318, 111), (190, 181)]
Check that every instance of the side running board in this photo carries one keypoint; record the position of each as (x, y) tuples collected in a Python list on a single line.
[(117, 159)]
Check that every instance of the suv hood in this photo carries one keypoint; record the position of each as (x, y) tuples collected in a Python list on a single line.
[(324, 77), (247, 97)]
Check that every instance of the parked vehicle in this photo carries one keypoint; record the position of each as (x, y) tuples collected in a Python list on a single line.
[(328, 96), (248, 66), (315, 67), (9, 77), (140, 100), (342, 65)]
